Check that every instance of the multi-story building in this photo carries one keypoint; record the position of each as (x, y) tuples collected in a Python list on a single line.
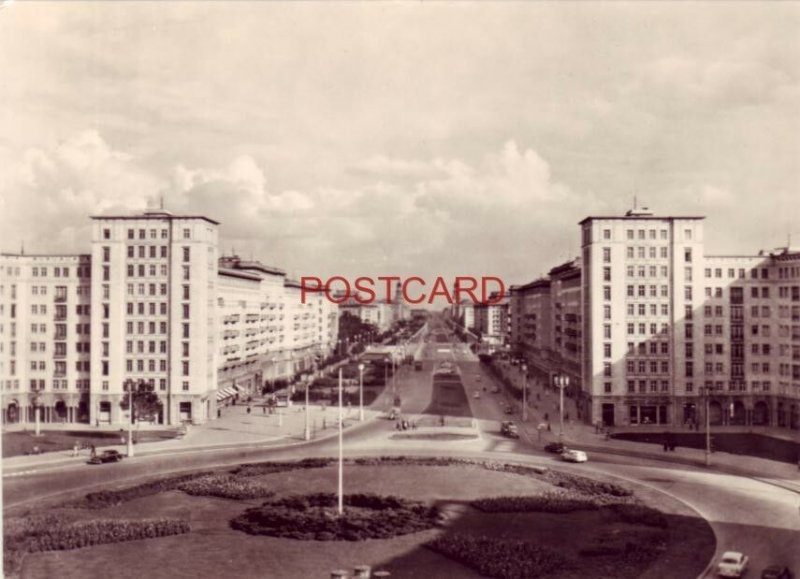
[(154, 286), (648, 328), (45, 337), (491, 320)]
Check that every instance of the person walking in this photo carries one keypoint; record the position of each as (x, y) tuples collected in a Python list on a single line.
[(248, 409)]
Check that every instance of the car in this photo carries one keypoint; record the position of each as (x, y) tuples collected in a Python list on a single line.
[(106, 456), (495, 389), (777, 572), (572, 455), (732, 564), (509, 429), (508, 410), (477, 394), (477, 377), (555, 447)]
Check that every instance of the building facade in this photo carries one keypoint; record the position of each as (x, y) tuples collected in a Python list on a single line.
[(649, 329), (153, 302)]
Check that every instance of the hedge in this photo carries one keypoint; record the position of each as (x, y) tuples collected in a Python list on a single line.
[(508, 559), (103, 499), (545, 503)]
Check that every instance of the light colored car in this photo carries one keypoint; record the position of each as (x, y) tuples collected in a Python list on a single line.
[(477, 394), (732, 564), (572, 455)]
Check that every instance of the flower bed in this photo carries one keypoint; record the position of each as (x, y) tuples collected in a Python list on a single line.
[(639, 514), (226, 486), (270, 467), (545, 503), (499, 557), (314, 518), (59, 533), (103, 499)]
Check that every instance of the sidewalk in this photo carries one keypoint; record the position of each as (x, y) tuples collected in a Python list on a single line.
[(236, 427), (583, 436)]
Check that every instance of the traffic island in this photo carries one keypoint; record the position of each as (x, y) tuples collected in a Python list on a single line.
[(411, 516)]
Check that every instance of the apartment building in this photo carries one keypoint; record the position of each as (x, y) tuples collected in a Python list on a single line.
[(45, 312), (492, 321), (154, 286), (649, 329)]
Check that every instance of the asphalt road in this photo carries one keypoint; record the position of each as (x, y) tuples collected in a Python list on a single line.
[(749, 515)]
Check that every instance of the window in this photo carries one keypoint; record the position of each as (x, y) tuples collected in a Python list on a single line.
[(607, 331), (186, 254), (687, 234), (687, 255), (185, 386), (606, 234), (187, 233), (606, 292), (606, 350), (631, 291), (106, 273), (185, 364), (629, 252), (131, 234), (687, 293), (606, 273), (106, 233), (106, 254), (186, 311), (607, 369), (629, 233)]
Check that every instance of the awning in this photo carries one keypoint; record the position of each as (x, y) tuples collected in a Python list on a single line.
[(225, 393)]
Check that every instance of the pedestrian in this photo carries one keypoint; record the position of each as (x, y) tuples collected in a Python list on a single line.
[(548, 427), (93, 451), (75, 449), (546, 416), (666, 446), (248, 410)]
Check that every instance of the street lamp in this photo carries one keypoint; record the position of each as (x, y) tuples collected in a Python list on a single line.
[(361, 392), (129, 386), (341, 447), (561, 382), (307, 431), (36, 411), (706, 392), (524, 395)]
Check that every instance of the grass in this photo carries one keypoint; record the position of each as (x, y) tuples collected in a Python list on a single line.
[(213, 549), (22, 442)]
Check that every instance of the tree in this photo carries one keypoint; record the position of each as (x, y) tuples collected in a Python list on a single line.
[(146, 403)]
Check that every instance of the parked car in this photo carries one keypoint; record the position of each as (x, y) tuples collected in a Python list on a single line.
[(732, 564), (106, 456), (572, 455), (777, 572), (555, 447), (477, 394), (509, 429)]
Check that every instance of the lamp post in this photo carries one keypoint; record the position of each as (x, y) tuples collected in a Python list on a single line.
[(307, 430), (707, 403), (361, 392), (561, 382), (36, 407), (129, 386), (341, 448), (524, 395)]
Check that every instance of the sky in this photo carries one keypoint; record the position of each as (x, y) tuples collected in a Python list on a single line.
[(400, 138)]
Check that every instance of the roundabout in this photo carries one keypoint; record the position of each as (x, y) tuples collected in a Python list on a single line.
[(411, 516)]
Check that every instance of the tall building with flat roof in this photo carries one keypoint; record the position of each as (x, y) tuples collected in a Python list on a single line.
[(154, 288), (44, 337)]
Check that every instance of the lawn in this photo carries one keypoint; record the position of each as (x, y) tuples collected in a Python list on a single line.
[(22, 442), (213, 549), (448, 398), (732, 442)]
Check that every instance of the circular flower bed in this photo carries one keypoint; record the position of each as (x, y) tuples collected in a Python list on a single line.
[(315, 518)]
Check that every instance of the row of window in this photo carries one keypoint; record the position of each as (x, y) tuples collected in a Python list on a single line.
[(647, 366), (655, 386), (154, 233), (58, 272)]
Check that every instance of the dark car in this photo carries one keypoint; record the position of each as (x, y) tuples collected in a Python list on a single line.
[(106, 456), (508, 410), (777, 572), (509, 429), (555, 447)]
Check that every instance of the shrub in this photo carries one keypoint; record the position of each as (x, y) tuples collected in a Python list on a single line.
[(270, 467), (61, 532), (103, 499), (312, 517), (587, 485), (639, 514), (500, 558), (226, 486), (545, 503)]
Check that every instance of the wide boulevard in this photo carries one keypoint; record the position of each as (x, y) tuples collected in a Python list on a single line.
[(746, 514)]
